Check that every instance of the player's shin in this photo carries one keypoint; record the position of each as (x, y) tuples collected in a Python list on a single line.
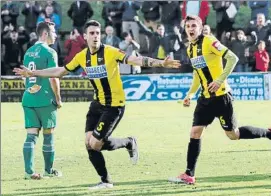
[(193, 152), (116, 143), (28, 151), (97, 160), (249, 132), (48, 151)]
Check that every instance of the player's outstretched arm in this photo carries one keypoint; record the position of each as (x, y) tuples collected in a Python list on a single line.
[(55, 72), (150, 62)]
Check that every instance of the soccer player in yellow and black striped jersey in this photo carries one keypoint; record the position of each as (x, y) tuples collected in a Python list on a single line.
[(101, 64), (206, 54)]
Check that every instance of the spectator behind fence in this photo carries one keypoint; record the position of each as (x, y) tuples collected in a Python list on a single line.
[(258, 7), (179, 51), (170, 15), (159, 43), (239, 47), (261, 58), (130, 47), (262, 29), (207, 30), (33, 38), (113, 12), (80, 12), (57, 9), (9, 13), (151, 14), (74, 45), (31, 11), (130, 9), (225, 15), (199, 8), (50, 16), (110, 38), (14, 51)]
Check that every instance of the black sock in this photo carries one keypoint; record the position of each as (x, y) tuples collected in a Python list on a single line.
[(116, 143), (192, 155), (97, 160), (249, 132)]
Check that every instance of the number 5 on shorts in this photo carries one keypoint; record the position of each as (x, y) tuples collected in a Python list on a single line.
[(100, 126)]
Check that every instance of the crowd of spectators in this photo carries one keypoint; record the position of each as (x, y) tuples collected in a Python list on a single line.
[(158, 34)]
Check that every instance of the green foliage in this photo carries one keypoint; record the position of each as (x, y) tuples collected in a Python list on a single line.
[(242, 17), (225, 167)]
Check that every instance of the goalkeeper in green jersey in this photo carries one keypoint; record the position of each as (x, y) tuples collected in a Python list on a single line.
[(40, 102)]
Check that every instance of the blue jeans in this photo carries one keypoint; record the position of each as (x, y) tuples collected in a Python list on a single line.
[(242, 68)]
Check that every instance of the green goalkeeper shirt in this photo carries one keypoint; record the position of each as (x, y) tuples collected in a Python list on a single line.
[(38, 92)]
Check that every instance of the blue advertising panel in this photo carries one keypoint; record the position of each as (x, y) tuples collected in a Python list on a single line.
[(175, 86)]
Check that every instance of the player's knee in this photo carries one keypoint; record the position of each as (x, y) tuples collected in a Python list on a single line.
[(95, 146), (232, 135), (196, 132), (48, 131)]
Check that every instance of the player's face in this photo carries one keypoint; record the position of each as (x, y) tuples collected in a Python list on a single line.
[(193, 29), (52, 35), (93, 36)]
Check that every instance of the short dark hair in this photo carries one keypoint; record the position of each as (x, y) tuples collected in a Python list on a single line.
[(92, 23), (44, 26), (124, 34), (160, 25), (193, 17)]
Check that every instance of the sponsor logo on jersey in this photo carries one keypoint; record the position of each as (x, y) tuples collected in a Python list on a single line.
[(198, 62), (96, 72)]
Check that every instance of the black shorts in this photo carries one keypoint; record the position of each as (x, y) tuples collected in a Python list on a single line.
[(102, 120), (220, 107)]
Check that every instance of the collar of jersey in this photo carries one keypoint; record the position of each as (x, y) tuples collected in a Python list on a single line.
[(199, 38), (101, 46), (40, 42)]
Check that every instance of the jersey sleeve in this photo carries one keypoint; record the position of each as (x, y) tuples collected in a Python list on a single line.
[(120, 55), (73, 64), (53, 60), (217, 48)]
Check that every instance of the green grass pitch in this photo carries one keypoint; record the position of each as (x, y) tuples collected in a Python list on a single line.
[(225, 167)]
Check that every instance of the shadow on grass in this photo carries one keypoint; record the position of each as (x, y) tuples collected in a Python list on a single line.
[(153, 187)]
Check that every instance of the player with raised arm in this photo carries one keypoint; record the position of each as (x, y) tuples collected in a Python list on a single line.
[(206, 54), (101, 64), (40, 102)]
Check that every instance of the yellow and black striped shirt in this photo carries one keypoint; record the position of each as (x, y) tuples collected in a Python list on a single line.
[(102, 69), (206, 58)]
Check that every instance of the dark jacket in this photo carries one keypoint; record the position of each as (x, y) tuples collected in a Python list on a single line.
[(155, 41), (12, 16), (31, 16), (129, 12), (238, 47), (150, 10), (81, 15), (14, 49), (262, 33), (116, 7), (171, 13)]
